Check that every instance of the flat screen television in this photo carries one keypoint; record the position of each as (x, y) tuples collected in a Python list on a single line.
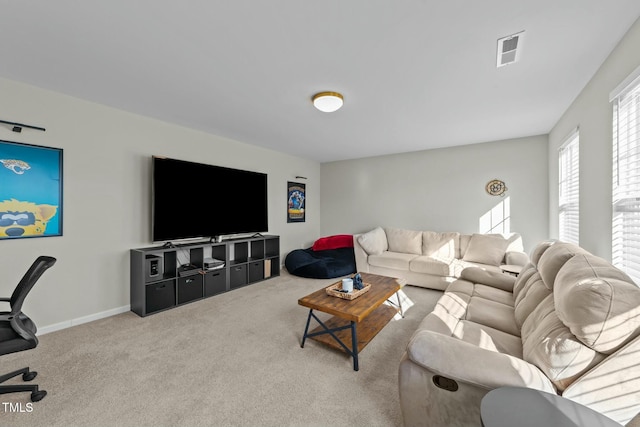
[(192, 200)]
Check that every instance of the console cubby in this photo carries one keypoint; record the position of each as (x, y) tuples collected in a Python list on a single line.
[(160, 296), (190, 288), (196, 256), (163, 277), (238, 276), (215, 282), (217, 252), (256, 271), (271, 256), (257, 250), (239, 252), (272, 247)]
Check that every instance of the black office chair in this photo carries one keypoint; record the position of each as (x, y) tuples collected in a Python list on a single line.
[(18, 332)]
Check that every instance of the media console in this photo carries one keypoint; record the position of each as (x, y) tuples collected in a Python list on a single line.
[(163, 277)]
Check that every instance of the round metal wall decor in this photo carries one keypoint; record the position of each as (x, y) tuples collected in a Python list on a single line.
[(495, 187)]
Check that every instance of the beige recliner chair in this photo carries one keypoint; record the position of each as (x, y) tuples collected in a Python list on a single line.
[(569, 324)]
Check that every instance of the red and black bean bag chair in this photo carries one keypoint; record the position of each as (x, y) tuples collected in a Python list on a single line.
[(329, 257)]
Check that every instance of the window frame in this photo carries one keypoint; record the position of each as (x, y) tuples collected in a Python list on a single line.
[(625, 233), (569, 188)]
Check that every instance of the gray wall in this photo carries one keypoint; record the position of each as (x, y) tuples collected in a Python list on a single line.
[(107, 159), (440, 190), (593, 114)]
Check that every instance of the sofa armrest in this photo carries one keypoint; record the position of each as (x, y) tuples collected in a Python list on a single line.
[(467, 363), (489, 278), (362, 264), (516, 258)]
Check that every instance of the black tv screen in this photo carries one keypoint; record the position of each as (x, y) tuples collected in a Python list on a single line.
[(197, 200)]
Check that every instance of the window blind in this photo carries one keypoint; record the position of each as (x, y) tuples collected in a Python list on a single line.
[(569, 189), (626, 181)]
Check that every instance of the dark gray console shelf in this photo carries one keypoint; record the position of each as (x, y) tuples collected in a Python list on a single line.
[(164, 277)]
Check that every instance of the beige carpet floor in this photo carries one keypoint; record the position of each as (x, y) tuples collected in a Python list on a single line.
[(233, 359)]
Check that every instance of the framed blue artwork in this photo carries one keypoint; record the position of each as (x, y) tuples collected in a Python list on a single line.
[(30, 191), (296, 202)]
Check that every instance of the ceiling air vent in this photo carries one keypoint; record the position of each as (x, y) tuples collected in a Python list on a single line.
[(509, 49)]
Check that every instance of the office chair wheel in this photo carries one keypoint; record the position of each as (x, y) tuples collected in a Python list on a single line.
[(37, 396), (28, 376)]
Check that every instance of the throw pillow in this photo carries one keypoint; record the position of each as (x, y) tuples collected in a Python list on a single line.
[(404, 241), (441, 245), (486, 249), (374, 242)]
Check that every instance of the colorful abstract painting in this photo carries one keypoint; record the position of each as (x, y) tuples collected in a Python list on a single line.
[(30, 191)]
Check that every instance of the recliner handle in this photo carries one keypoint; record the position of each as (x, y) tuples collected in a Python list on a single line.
[(445, 383)]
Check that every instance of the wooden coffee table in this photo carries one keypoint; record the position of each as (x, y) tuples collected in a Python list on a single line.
[(356, 321)]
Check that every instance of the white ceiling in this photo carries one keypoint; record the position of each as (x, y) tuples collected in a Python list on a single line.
[(415, 74)]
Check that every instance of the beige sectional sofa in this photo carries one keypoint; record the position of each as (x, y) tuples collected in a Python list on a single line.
[(568, 324), (433, 259)]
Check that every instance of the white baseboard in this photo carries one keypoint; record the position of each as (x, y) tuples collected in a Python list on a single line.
[(81, 320)]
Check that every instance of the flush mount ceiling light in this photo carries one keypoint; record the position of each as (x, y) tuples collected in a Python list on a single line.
[(328, 102)]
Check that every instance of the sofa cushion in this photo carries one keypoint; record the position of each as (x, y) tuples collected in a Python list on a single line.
[(526, 272), (458, 266), (429, 265), (496, 295), (456, 298), (515, 258), (540, 248), (404, 241), (485, 305), (554, 258), (488, 338), (486, 249), (445, 316), (550, 345), (441, 245), (598, 302), (394, 260), (464, 312), (514, 242), (464, 244), (495, 279), (374, 242), (493, 314), (530, 295)]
